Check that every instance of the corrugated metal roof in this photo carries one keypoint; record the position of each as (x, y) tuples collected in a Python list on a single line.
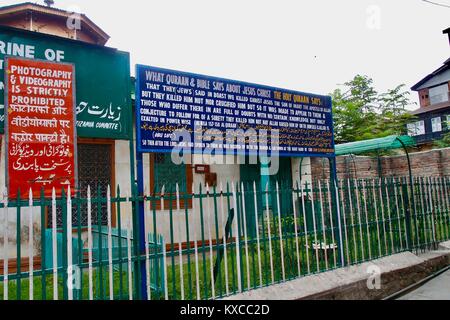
[(387, 143), (18, 5)]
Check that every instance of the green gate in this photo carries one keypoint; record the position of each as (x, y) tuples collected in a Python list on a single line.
[(258, 174)]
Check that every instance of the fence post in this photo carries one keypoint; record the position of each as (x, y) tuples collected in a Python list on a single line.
[(69, 269), (18, 247), (138, 237), (43, 246), (54, 247), (336, 211), (221, 253), (202, 232), (341, 242), (139, 229), (5, 247), (64, 242), (406, 205), (30, 245), (237, 239)]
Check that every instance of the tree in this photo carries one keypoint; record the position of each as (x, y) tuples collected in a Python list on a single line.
[(444, 142), (361, 113), (362, 93), (354, 109), (395, 116)]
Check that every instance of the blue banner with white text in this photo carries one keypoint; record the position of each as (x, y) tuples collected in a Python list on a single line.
[(196, 112)]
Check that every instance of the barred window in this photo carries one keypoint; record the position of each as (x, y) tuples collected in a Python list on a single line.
[(165, 175)]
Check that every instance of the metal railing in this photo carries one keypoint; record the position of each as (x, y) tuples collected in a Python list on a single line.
[(430, 137), (214, 241)]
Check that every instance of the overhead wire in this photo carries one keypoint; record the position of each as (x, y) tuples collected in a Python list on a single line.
[(437, 3)]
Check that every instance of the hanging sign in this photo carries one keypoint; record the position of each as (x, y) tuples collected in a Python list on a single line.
[(40, 126)]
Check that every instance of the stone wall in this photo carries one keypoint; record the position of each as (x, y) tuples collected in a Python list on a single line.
[(434, 163)]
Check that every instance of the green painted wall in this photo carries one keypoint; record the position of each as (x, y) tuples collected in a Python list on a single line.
[(102, 79)]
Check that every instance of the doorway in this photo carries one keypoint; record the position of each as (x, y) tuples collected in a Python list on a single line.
[(266, 190), (96, 169), (95, 161)]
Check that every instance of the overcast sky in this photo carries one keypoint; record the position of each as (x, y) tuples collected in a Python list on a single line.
[(307, 45)]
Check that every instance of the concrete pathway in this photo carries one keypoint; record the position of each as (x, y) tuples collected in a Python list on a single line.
[(436, 289)]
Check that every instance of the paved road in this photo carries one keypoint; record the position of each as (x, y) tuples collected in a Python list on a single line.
[(436, 289)]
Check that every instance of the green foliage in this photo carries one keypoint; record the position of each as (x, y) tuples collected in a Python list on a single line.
[(361, 113), (444, 142)]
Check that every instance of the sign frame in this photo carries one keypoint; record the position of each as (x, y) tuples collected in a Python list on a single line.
[(6, 134), (140, 151), (242, 83)]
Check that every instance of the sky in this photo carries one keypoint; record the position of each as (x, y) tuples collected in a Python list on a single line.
[(306, 45)]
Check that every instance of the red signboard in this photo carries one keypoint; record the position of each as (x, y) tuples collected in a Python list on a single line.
[(40, 126)]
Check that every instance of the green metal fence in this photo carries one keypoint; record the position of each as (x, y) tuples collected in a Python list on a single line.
[(210, 242)]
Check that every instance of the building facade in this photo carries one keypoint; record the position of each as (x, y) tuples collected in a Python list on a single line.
[(103, 102), (433, 116), (52, 21), (106, 142)]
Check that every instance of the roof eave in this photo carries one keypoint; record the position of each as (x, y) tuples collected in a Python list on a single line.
[(96, 28), (431, 75), (431, 109), (28, 6)]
